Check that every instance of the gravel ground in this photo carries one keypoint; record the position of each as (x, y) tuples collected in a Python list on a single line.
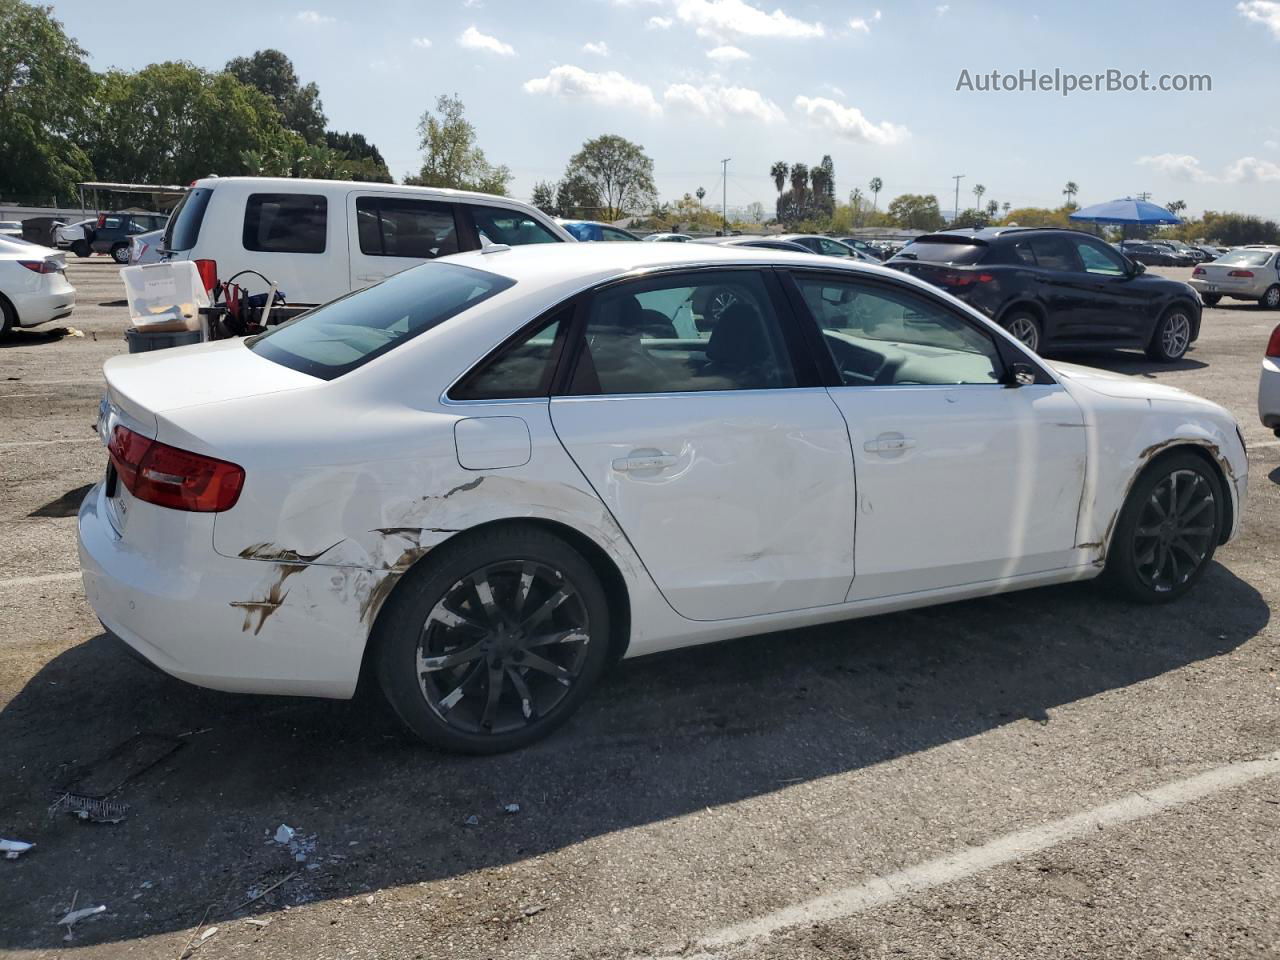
[(694, 791)]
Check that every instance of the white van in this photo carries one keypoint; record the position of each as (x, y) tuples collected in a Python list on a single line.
[(319, 239)]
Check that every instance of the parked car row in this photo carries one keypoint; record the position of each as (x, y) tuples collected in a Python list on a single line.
[(107, 233)]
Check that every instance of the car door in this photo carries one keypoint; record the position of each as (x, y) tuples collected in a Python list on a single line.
[(961, 478), (706, 434), (1065, 288), (391, 232), (1119, 308)]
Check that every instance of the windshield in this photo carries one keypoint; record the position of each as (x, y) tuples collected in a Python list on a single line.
[(183, 228), (350, 331), (944, 250), (1245, 258)]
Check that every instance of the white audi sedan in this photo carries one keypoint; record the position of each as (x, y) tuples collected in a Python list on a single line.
[(486, 478)]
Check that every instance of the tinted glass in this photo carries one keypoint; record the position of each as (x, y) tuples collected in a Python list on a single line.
[(706, 331), (613, 233), (944, 250), (511, 227), (833, 249), (1054, 253), (340, 336), (389, 227), (1022, 253), (1099, 259), (184, 225), (579, 231), (523, 369), (1245, 258), (285, 223), (882, 336)]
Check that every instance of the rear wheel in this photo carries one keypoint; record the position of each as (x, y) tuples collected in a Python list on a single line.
[(8, 317), (120, 253), (495, 642), (1168, 529), (1025, 327), (1211, 299), (1172, 336), (1271, 299)]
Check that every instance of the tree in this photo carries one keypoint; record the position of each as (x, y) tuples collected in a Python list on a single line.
[(779, 173), (823, 179), (972, 217), (916, 211), (992, 209), (755, 211), (1005, 207), (700, 193), (978, 191), (1176, 206), (577, 197), (618, 171), (46, 92), (361, 157), (452, 158), (1070, 191), (875, 186), (544, 197), (1038, 217), (271, 72)]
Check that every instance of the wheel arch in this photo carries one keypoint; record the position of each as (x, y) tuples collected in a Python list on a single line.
[(1198, 448), (7, 308), (1188, 304), (1029, 305)]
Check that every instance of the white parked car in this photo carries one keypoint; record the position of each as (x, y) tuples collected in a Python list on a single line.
[(486, 478), (1269, 384), (667, 238), (11, 229), (1252, 273), (320, 239), (33, 285), (75, 236), (146, 248)]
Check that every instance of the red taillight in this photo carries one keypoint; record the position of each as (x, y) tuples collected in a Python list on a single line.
[(1199, 272), (169, 477), (960, 278), (1248, 274), (1273, 345), (102, 220), (208, 270), (40, 266)]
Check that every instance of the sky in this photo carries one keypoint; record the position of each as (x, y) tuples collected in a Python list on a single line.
[(873, 84)]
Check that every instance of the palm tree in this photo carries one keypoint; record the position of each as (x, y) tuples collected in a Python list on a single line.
[(855, 201), (799, 188), (700, 193), (876, 185), (1070, 190), (978, 191), (992, 209), (1176, 207), (779, 173), (1006, 207)]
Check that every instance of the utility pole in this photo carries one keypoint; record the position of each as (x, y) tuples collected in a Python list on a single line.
[(724, 195), (956, 213), (1144, 196)]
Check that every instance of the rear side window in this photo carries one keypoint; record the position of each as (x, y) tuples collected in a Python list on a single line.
[(944, 250), (579, 231), (286, 223), (350, 331), (1054, 253), (184, 224), (512, 227), (421, 229), (522, 369)]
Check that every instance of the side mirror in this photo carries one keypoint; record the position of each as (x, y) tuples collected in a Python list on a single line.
[(1139, 268), (1019, 375)]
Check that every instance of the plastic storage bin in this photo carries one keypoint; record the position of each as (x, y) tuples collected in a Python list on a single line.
[(140, 341), (165, 296)]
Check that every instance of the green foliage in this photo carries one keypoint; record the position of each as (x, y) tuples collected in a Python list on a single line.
[(576, 198), (972, 217), (46, 92), (1040, 217), (618, 171), (360, 159), (544, 197), (272, 73), (452, 158), (1227, 229), (915, 211)]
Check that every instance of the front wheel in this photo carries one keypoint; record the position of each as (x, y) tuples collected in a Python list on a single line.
[(1168, 530), (1172, 336), (1211, 299), (81, 248), (494, 642), (1271, 299)]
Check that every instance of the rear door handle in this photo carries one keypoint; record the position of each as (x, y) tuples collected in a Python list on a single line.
[(647, 462)]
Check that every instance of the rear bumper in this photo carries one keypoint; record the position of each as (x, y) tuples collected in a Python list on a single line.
[(34, 309), (1269, 394), (244, 626), (1239, 291)]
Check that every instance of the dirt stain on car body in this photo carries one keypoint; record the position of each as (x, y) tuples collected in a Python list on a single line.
[(269, 604)]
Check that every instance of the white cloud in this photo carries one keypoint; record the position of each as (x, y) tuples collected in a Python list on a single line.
[(609, 89), (717, 18), (473, 39), (473, 3), (1271, 144), (313, 18), (863, 24), (1265, 12), (942, 9), (1177, 166), (659, 23), (849, 122), (421, 43), (600, 49), (1252, 170), (727, 54), (717, 103)]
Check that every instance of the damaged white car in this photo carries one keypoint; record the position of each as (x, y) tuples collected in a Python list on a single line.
[(486, 478)]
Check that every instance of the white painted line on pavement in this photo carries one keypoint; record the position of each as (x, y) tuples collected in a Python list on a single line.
[(881, 891), (42, 578), (1264, 443), (39, 443)]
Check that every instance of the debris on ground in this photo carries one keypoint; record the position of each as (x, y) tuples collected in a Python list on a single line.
[(300, 845), (534, 910), (472, 821), (89, 808), (255, 922), (134, 756), (254, 894), (511, 808), (75, 916), (284, 833), (208, 933), (13, 849)]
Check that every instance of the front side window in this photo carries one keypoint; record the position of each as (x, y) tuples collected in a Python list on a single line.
[(285, 223), (512, 227), (350, 331), (885, 336), (694, 332), (393, 227), (1098, 259)]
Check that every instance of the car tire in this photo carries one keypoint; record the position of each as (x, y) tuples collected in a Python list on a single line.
[(81, 248), (1271, 299), (465, 620), (1172, 336), (120, 253), (1026, 328), (8, 316), (1154, 558), (1211, 299)]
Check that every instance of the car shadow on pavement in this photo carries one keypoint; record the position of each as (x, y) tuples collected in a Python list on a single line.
[(1129, 363), (662, 737), (19, 337)]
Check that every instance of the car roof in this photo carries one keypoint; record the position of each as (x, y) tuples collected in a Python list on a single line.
[(303, 184)]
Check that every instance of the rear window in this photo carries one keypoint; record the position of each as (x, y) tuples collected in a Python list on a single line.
[(1245, 258), (944, 250), (350, 331), (184, 225), (286, 223)]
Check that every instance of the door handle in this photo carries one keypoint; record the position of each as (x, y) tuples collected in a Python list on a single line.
[(889, 443), (372, 276), (647, 462)]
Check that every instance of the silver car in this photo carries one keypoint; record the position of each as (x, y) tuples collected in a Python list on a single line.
[(145, 248), (1251, 273)]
